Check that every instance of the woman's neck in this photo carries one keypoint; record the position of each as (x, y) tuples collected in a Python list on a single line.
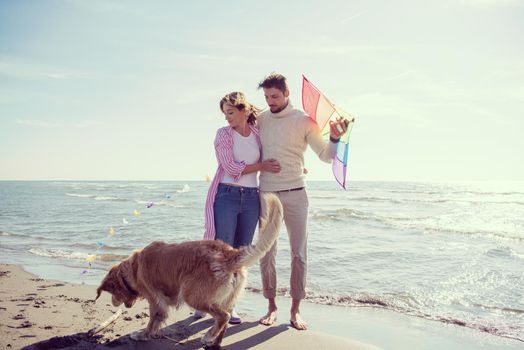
[(243, 130)]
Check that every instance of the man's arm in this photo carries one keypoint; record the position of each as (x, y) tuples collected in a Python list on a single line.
[(325, 150)]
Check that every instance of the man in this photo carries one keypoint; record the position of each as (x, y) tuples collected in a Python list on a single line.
[(285, 133)]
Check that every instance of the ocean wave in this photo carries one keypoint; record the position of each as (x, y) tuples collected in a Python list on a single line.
[(459, 192), (426, 200), (376, 199), (319, 196), (74, 255), (404, 304), (12, 234), (96, 197), (415, 191), (425, 224), (501, 309), (490, 193), (334, 299), (474, 232), (341, 214), (184, 189), (517, 255), (105, 247), (504, 252), (38, 236), (80, 195), (161, 203), (458, 200), (109, 198)]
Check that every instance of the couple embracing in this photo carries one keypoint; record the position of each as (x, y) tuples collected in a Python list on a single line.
[(271, 143)]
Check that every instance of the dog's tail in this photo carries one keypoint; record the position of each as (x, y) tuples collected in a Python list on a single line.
[(269, 227)]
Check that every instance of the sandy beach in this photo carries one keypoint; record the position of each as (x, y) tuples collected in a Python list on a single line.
[(42, 314), (36, 313)]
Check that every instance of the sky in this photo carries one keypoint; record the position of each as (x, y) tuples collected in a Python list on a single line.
[(129, 90)]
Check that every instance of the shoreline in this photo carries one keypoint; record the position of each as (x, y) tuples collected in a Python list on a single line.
[(47, 304), (43, 314)]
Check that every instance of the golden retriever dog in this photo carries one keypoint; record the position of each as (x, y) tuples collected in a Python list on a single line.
[(207, 275)]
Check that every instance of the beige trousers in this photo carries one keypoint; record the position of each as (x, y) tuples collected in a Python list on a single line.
[(295, 205)]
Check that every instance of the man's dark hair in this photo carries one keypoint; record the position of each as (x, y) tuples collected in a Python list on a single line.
[(274, 80)]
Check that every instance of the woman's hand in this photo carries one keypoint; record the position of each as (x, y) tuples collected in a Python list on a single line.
[(270, 165)]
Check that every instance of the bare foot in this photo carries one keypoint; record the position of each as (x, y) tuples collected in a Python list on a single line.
[(269, 318), (297, 322)]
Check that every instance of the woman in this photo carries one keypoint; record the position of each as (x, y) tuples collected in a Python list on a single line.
[(233, 205)]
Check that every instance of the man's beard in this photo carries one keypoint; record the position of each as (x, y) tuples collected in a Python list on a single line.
[(280, 109)]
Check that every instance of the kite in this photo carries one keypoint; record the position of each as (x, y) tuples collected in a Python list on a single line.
[(149, 205), (111, 231), (322, 111), (136, 213), (124, 221)]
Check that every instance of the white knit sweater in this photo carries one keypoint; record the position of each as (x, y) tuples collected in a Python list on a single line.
[(285, 136)]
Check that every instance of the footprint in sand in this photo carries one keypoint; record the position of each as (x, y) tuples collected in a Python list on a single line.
[(25, 324), (141, 315), (45, 286), (38, 303)]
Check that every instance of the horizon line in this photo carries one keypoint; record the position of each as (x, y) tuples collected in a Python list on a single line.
[(310, 180)]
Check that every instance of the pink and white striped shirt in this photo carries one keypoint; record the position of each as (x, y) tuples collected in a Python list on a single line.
[(226, 164)]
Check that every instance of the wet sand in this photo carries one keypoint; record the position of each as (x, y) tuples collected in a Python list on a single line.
[(42, 314)]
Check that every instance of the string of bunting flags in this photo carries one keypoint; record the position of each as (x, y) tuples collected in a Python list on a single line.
[(91, 258)]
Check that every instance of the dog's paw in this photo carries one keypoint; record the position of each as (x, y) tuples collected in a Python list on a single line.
[(212, 347), (208, 339), (139, 336), (155, 336)]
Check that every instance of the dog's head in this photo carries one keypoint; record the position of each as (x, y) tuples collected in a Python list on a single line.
[(115, 282)]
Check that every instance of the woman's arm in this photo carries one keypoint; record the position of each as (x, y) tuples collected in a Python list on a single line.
[(269, 165), (224, 154)]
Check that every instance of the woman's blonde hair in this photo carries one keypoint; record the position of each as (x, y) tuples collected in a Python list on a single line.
[(239, 101)]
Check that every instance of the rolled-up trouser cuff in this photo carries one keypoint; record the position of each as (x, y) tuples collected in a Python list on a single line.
[(297, 294), (270, 293)]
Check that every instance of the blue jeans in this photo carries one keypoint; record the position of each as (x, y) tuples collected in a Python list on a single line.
[(237, 210)]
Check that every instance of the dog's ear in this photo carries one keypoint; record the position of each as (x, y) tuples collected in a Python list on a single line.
[(118, 279), (107, 284), (104, 286), (98, 292)]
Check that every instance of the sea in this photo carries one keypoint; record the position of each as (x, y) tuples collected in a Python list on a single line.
[(448, 252)]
